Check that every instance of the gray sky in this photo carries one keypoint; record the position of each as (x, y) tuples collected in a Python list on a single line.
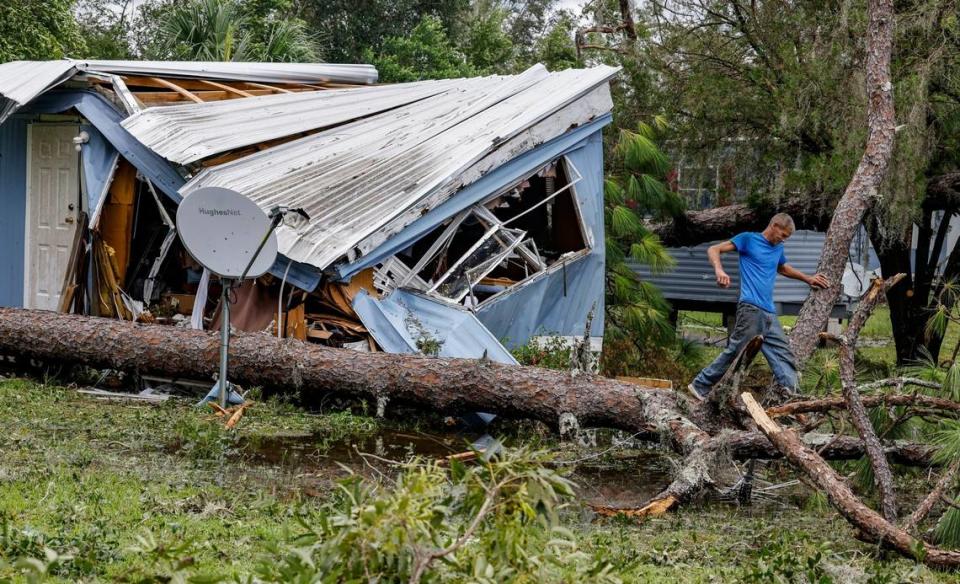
[(571, 4)]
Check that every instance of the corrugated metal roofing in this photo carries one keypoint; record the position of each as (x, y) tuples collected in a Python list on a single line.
[(693, 280), (190, 132), (22, 81), (355, 178), (257, 72)]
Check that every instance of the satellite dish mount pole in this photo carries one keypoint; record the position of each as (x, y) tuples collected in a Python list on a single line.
[(221, 228), (224, 394)]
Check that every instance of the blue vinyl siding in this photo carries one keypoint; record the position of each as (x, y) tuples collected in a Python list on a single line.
[(13, 197)]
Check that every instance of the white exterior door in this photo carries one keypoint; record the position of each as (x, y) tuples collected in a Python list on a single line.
[(53, 201)]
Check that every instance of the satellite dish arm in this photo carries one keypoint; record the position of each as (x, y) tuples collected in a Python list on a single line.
[(273, 225), (277, 214)]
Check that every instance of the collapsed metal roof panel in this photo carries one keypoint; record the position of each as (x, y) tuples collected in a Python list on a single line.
[(356, 178), (187, 133), (239, 71), (22, 81)]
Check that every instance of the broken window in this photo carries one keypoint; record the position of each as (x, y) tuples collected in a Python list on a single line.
[(511, 237)]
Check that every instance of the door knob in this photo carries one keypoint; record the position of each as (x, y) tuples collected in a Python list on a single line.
[(68, 220)]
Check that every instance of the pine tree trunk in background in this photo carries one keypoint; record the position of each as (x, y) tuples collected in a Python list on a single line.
[(894, 256), (863, 189)]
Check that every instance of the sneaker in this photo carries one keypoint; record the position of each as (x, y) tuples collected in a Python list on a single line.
[(696, 393)]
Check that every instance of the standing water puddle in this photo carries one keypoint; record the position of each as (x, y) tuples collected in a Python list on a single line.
[(630, 480)]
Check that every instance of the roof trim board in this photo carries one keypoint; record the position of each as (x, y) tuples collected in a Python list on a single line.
[(359, 74), (101, 113), (106, 118)]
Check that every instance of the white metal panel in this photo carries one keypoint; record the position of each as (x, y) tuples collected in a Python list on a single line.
[(240, 71), (356, 178), (190, 132), (594, 104), (22, 81), (53, 199)]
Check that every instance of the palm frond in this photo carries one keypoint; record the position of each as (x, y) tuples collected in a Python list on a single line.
[(615, 253), (641, 154), (951, 381), (613, 192), (660, 123), (947, 438), (290, 41)]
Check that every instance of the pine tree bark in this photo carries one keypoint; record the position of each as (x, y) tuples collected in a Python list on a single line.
[(435, 384), (863, 189)]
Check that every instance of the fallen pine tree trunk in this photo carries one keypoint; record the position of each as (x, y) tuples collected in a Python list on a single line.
[(289, 365), (435, 384)]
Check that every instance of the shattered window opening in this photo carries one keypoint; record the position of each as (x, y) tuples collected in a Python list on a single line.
[(499, 243), (486, 255)]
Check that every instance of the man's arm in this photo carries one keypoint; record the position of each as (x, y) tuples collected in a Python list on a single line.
[(713, 254), (814, 281)]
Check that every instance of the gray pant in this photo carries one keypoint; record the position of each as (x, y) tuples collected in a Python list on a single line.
[(753, 321)]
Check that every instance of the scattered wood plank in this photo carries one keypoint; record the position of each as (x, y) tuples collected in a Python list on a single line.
[(237, 414), (646, 381), (103, 394)]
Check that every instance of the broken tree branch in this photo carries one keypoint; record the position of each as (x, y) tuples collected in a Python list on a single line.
[(434, 384), (925, 506), (882, 475), (871, 401), (871, 524)]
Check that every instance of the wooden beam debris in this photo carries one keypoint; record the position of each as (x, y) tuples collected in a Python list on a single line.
[(178, 89)]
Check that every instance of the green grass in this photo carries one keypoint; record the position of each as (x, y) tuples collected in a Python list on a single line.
[(129, 491), (86, 478)]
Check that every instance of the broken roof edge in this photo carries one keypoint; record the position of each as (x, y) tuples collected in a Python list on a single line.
[(23, 81), (498, 179), (98, 110), (106, 119), (369, 213)]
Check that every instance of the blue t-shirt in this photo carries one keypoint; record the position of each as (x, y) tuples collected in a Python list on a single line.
[(759, 260)]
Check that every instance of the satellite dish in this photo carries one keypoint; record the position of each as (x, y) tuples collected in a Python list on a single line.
[(223, 229)]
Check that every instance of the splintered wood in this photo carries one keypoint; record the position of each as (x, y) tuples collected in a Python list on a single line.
[(654, 508), (232, 415)]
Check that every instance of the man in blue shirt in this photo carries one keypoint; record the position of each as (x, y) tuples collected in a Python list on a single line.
[(761, 259)]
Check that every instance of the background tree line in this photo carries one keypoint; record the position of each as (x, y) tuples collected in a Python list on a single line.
[(406, 39), (768, 94)]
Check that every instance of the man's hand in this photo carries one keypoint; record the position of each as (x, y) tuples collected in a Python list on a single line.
[(723, 280), (818, 281)]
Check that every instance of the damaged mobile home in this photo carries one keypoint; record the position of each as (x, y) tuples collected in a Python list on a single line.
[(448, 217)]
